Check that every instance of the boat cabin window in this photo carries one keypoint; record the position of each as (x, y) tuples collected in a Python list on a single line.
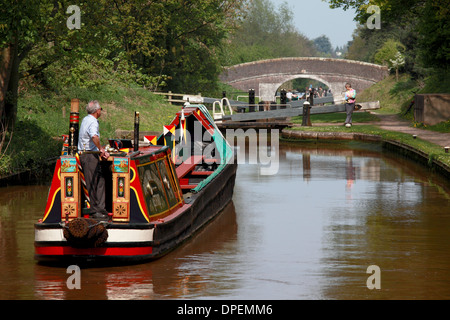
[(158, 186), (168, 182)]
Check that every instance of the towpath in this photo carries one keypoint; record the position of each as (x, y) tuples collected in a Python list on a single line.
[(393, 123)]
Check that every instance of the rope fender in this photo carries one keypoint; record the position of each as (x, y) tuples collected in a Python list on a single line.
[(85, 233)]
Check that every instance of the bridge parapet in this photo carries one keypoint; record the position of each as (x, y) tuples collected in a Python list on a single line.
[(266, 76)]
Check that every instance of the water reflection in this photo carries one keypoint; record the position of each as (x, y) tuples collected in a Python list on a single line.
[(308, 232), (20, 207), (394, 216)]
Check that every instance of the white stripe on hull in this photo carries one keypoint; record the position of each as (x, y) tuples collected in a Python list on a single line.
[(114, 235)]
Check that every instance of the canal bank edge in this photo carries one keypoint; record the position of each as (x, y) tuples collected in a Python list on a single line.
[(397, 146)]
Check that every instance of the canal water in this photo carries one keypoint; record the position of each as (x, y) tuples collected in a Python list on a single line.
[(336, 221)]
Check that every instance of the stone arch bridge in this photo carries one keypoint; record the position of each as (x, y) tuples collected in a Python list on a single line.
[(266, 76)]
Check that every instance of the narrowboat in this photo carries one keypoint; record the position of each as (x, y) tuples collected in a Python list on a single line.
[(159, 192)]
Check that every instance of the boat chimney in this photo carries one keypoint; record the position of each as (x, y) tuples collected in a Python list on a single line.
[(74, 126), (136, 131)]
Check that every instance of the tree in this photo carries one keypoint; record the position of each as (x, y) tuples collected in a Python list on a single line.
[(422, 25), (397, 62), (193, 40), (177, 40), (323, 44), (388, 52), (15, 26), (27, 25), (434, 29), (266, 32)]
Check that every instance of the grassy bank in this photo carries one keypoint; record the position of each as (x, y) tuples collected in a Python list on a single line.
[(42, 118), (396, 96)]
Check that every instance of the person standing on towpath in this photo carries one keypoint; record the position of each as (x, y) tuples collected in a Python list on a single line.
[(350, 98)]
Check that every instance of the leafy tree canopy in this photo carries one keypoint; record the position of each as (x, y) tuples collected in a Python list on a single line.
[(162, 43), (266, 32), (422, 26)]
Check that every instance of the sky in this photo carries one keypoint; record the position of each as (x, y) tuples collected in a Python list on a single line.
[(314, 18)]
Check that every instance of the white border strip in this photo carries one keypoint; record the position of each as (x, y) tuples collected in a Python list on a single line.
[(114, 235)]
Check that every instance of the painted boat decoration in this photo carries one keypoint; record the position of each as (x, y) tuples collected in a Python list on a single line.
[(159, 193)]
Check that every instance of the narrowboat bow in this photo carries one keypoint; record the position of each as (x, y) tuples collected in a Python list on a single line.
[(158, 193)]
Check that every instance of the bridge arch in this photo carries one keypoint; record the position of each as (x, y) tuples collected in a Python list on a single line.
[(302, 76), (266, 76)]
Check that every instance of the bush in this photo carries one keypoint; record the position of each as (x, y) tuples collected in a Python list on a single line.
[(31, 148)]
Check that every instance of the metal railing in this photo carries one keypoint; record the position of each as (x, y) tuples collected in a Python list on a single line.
[(220, 104)]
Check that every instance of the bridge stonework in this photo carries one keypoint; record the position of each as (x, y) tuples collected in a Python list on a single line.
[(266, 76)]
